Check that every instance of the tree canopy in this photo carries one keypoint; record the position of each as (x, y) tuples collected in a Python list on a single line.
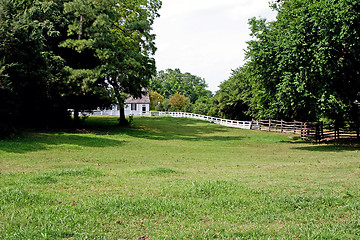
[(169, 82), (232, 99), (305, 64), (156, 100), (119, 35), (178, 101), (77, 54)]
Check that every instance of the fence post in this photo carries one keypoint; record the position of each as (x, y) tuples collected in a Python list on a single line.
[(282, 126), (306, 130), (269, 125), (317, 133), (321, 130), (294, 127), (336, 130)]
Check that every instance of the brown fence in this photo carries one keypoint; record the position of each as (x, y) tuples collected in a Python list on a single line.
[(309, 130), (334, 132)]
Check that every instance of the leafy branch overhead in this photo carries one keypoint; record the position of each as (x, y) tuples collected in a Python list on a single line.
[(305, 65), (68, 52)]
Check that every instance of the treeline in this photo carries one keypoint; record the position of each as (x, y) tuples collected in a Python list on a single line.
[(305, 65), (80, 55), (172, 90), (69, 54)]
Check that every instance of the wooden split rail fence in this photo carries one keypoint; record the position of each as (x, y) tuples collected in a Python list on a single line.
[(307, 130), (335, 132)]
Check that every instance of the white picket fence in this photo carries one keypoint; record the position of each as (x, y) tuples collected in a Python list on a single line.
[(224, 122), (117, 113), (220, 121)]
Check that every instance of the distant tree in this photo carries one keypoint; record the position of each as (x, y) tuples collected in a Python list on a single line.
[(202, 106), (171, 81), (232, 99), (166, 105), (189, 108), (178, 101), (156, 99)]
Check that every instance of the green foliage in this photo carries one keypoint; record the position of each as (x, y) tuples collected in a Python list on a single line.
[(233, 98), (168, 82), (178, 101), (166, 106), (118, 34), (57, 55), (305, 65), (189, 108), (202, 106), (30, 69), (156, 100)]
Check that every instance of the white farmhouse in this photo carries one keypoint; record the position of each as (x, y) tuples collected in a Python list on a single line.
[(133, 106), (138, 106)]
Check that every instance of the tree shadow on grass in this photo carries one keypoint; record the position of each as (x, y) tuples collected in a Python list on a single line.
[(163, 128), (145, 128), (181, 129), (42, 141), (329, 147)]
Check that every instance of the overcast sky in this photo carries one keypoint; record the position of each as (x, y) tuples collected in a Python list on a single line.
[(206, 38)]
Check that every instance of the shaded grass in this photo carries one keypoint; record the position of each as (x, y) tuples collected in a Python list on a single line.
[(44, 141), (157, 171), (169, 178)]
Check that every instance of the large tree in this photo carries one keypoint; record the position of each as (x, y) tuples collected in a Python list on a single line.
[(119, 34), (76, 54), (30, 69), (306, 64)]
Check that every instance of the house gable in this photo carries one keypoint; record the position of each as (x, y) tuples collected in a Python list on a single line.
[(145, 99)]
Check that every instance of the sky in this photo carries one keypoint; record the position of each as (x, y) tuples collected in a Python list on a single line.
[(206, 38)]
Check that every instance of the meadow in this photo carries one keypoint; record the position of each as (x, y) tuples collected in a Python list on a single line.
[(169, 178)]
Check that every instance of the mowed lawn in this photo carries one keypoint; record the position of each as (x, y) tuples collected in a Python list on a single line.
[(168, 178)]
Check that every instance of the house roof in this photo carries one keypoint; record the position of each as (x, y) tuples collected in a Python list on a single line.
[(145, 99)]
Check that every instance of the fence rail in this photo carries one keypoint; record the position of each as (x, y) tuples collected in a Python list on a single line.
[(315, 131), (220, 121), (329, 132)]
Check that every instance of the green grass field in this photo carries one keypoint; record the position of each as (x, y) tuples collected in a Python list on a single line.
[(168, 178)]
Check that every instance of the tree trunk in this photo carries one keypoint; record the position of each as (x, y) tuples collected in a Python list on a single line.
[(76, 111), (120, 100), (76, 117), (122, 120)]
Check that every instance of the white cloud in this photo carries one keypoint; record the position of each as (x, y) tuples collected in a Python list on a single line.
[(205, 37)]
